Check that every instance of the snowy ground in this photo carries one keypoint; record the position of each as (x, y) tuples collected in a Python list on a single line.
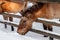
[(7, 34)]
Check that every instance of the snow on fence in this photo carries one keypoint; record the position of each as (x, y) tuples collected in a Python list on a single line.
[(44, 32)]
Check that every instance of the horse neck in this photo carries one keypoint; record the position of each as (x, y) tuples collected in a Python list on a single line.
[(52, 11), (41, 12), (44, 12)]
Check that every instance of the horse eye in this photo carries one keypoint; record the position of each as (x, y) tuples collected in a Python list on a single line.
[(24, 21)]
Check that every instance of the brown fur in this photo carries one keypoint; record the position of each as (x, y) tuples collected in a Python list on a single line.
[(11, 7), (49, 11), (24, 26), (29, 16)]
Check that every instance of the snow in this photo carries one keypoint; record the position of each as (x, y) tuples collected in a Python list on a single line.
[(15, 36), (7, 34)]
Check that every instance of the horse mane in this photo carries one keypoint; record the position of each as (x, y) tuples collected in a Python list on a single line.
[(33, 9)]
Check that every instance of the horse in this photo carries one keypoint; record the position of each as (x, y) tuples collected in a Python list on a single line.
[(39, 10), (10, 7)]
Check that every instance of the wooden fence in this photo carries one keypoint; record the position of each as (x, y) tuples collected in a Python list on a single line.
[(43, 32)]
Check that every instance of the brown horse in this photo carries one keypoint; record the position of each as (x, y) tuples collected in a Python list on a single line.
[(29, 15), (39, 10), (10, 7)]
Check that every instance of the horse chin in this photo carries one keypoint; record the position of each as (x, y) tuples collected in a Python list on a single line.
[(22, 31)]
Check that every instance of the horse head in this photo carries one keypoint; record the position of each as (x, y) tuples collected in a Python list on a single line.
[(29, 15)]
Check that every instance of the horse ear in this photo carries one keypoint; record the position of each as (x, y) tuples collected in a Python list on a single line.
[(22, 12)]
